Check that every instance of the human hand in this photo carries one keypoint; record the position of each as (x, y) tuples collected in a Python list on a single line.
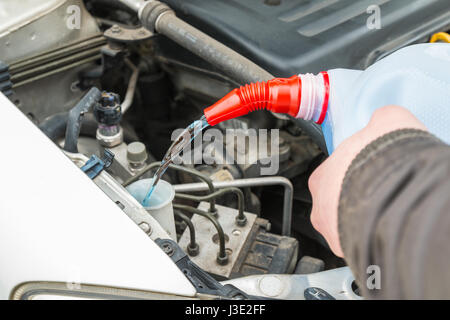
[(326, 181)]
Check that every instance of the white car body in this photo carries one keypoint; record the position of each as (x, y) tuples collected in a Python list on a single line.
[(57, 225)]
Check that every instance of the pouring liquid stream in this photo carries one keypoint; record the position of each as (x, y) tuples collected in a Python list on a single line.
[(183, 140)]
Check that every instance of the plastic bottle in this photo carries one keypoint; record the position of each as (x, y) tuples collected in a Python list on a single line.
[(342, 101), (160, 205)]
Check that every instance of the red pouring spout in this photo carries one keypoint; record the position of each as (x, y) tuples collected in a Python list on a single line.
[(279, 95)]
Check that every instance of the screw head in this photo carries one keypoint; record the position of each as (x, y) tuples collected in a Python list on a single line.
[(145, 227), (168, 249)]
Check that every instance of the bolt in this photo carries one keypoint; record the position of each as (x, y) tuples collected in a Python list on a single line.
[(145, 227), (194, 250), (214, 212), (116, 29), (168, 249), (241, 222), (222, 260)]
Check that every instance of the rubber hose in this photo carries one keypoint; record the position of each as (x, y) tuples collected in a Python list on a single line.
[(75, 118)]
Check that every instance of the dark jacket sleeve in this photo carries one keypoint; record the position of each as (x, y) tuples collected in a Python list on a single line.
[(394, 213)]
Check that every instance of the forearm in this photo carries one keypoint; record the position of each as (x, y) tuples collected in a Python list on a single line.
[(394, 213)]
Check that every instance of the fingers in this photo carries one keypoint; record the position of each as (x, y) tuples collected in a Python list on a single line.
[(326, 181)]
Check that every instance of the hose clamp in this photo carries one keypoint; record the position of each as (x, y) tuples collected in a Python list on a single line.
[(151, 12)]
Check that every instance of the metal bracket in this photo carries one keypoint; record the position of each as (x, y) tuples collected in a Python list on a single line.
[(122, 34), (201, 280)]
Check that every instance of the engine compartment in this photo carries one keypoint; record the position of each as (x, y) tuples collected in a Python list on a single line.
[(51, 61)]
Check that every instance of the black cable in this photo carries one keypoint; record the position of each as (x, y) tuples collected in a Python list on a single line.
[(222, 257), (241, 219), (193, 248)]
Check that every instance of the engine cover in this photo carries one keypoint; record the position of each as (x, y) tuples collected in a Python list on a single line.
[(298, 36)]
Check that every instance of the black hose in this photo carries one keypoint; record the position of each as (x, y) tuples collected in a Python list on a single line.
[(55, 125), (241, 219), (222, 257), (75, 118), (192, 248), (193, 172), (159, 17)]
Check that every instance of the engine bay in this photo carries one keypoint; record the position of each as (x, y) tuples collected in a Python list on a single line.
[(55, 52)]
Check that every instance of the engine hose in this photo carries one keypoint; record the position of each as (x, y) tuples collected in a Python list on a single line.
[(75, 118), (159, 17), (222, 257), (54, 127)]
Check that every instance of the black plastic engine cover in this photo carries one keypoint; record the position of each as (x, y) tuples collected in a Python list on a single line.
[(297, 36)]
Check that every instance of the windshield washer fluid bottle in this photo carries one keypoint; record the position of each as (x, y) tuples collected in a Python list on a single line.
[(415, 77)]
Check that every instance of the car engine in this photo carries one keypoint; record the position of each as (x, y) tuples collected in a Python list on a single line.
[(151, 83)]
